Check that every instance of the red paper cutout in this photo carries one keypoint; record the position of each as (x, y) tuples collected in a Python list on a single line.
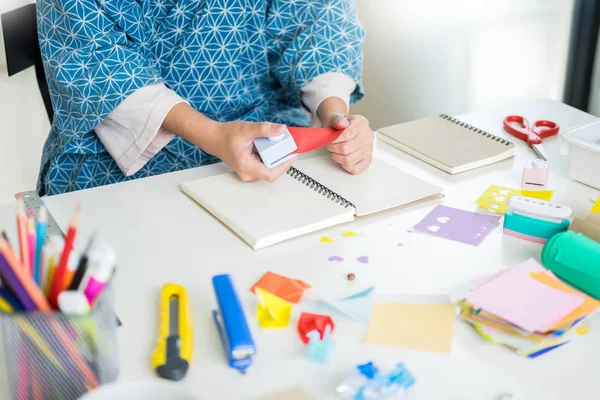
[(309, 139), (313, 322), (289, 289)]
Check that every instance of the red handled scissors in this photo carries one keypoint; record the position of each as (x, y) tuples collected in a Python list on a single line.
[(533, 134)]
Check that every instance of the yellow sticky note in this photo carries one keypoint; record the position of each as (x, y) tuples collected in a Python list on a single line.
[(495, 198), (596, 208), (425, 327), (272, 311)]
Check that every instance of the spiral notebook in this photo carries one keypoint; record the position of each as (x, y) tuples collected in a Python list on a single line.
[(314, 194), (447, 143)]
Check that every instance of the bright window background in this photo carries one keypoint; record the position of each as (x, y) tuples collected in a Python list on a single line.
[(437, 56)]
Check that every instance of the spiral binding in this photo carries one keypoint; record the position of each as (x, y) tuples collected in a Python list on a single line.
[(476, 130), (318, 187)]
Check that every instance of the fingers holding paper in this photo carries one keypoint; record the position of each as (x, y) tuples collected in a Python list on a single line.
[(353, 149)]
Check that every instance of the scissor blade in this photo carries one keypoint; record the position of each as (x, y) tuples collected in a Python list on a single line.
[(539, 150)]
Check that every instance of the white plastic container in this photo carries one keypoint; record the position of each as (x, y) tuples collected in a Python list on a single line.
[(584, 154)]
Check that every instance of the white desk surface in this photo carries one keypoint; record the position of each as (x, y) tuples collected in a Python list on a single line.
[(161, 236)]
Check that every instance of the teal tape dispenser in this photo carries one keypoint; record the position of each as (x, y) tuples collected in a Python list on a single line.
[(535, 220)]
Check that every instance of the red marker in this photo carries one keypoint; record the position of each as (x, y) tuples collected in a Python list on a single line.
[(58, 284)]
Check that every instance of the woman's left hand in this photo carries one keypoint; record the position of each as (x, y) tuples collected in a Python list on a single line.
[(353, 150)]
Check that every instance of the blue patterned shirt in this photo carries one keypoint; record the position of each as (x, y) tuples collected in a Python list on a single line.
[(231, 59)]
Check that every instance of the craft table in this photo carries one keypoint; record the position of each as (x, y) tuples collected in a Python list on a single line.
[(162, 236)]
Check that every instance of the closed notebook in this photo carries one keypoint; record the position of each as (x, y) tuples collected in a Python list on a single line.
[(314, 194), (447, 143)]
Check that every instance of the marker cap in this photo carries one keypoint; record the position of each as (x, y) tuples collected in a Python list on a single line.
[(73, 303)]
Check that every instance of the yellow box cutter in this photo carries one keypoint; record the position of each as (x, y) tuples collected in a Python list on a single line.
[(173, 353)]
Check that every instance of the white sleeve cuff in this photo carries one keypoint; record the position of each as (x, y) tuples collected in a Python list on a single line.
[(330, 84), (133, 134)]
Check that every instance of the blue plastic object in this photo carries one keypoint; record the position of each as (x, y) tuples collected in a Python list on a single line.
[(232, 325), (275, 150), (366, 383)]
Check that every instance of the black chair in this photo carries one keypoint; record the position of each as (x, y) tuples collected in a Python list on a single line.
[(19, 28)]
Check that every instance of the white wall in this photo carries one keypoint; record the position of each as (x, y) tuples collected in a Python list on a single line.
[(437, 56), (422, 57)]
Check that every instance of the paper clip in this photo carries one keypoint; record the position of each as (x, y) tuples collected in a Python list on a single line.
[(232, 325)]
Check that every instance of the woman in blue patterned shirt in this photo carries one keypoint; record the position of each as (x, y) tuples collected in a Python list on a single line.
[(143, 87)]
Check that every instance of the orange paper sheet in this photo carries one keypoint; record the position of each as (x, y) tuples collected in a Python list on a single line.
[(588, 306), (288, 289)]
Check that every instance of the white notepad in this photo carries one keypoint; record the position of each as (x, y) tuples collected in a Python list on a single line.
[(315, 194)]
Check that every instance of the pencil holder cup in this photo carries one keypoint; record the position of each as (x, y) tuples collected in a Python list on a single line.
[(59, 356)]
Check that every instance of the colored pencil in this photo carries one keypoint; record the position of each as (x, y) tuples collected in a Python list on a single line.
[(82, 267), (70, 271), (10, 299), (10, 280), (22, 230), (24, 287), (42, 226), (59, 276), (31, 240)]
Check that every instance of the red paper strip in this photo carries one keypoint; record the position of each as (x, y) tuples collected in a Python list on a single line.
[(309, 139)]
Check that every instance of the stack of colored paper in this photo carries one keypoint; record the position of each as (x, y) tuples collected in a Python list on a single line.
[(528, 309)]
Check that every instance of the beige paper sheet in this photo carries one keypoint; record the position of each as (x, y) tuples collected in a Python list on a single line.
[(426, 327)]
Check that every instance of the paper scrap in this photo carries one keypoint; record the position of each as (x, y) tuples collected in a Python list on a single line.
[(326, 239), (523, 301), (349, 234), (596, 208), (335, 258), (363, 259), (589, 305), (458, 225), (288, 289), (291, 394), (426, 327), (357, 306), (495, 197), (272, 311)]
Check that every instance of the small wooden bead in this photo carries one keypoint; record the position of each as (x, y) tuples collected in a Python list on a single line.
[(351, 277)]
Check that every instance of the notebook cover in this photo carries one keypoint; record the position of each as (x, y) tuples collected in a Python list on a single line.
[(447, 144)]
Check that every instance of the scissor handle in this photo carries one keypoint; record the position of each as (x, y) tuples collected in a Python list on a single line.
[(523, 131), (544, 128)]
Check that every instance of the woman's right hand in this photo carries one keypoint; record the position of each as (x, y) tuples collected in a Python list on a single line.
[(233, 143)]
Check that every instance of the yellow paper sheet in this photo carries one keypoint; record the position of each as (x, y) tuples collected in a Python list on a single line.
[(425, 327), (272, 311), (495, 197), (596, 208), (588, 306), (291, 394)]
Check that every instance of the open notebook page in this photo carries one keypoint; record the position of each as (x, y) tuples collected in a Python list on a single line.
[(379, 188), (264, 213)]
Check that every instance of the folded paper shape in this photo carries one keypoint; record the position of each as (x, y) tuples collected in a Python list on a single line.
[(309, 139), (313, 322), (272, 311), (281, 286), (319, 346)]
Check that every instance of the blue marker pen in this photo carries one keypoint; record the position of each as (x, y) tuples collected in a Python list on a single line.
[(42, 225)]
